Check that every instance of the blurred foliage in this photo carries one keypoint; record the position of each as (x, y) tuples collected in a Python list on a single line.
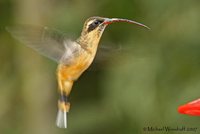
[(140, 86)]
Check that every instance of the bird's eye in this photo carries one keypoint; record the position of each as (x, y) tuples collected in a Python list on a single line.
[(94, 24)]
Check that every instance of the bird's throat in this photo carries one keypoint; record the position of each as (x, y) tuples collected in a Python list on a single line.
[(89, 43)]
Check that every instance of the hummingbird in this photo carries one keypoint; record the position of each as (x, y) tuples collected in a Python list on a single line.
[(73, 57)]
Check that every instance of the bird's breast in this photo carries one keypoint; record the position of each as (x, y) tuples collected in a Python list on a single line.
[(78, 65)]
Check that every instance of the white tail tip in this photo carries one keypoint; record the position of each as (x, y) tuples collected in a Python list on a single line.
[(61, 120)]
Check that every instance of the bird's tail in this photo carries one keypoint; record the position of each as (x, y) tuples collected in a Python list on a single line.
[(63, 109), (61, 120), (65, 87)]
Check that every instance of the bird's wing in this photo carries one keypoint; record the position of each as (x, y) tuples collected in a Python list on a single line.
[(48, 42), (107, 52)]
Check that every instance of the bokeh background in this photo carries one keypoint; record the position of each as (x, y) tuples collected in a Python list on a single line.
[(140, 85)]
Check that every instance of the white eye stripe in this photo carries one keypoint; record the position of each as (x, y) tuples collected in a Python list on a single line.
[(89, 23)]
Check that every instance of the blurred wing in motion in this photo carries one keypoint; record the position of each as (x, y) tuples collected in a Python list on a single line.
[(48, 42), (105, 52)]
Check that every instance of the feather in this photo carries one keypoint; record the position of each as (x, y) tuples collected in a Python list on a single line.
[(61, 120), (48, 42)]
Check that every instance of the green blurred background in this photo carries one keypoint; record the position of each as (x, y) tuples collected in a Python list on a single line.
[(139, 86)]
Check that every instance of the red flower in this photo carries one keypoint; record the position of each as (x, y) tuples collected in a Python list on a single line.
[(191, 108)]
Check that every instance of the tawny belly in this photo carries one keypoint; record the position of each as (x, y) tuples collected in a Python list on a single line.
[(73, 72)]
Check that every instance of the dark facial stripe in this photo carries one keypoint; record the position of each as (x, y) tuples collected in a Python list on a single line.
[(94, 25), (91, 27)]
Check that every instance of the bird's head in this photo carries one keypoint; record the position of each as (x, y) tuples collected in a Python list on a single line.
[(94, 27)]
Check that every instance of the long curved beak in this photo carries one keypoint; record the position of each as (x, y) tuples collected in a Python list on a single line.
[(112, 20)]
